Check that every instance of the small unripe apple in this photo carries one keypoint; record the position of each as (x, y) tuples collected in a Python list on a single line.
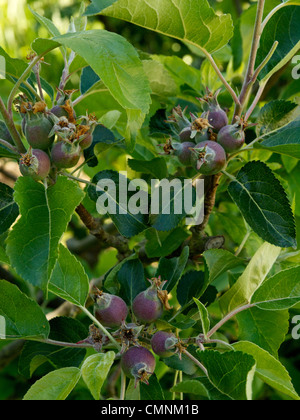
[(36, 164), (65, 155), (163, 343), (147, 306), (138, 363), (110, 310), (210, 157), (37, 129), (231, 138)]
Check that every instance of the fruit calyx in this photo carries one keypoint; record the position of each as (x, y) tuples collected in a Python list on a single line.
[(157, 284), (96, 338)]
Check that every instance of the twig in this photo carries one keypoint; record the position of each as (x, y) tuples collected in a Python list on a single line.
[(10, 147), (228, 317), (94, 226), (224, 81), (65, 344), (199, 364), (248, 84), (265, 61), (101, 327), (243, 243), (11, 127), (23, 77), (256, 100)]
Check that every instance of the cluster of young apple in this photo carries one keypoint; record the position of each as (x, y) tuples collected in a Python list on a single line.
[(204, 142), (137, 361), (56, 137)]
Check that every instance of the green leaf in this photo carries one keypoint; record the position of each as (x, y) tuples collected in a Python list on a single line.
[(111, 283), (220, 261), (170, 209), (264, 204), (184, 364), (231, 372), (95, 370), (69, 280), (269, 369), (34, 354), (132, 280), (55, 386), (182, 72), (32, 244), (192, 21), (279, 292), (283, 28), (191, 386), (204, 317), (156, 167), (172, 269), (117, 64), (162, 244), (97, 5), (153, 391), (257, 270), (128, 224), (88, 79), (23, 316), (3, 257), (8, 208), (267, 329), (192, 284), (49, 25), (275, 115), (284, 140), (103, 138), (161, 82)]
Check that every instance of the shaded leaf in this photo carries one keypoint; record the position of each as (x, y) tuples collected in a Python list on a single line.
[(23, 316), (264, 204), (55, 386)]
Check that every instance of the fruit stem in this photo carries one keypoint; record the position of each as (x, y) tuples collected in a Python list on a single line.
[(11, 127), (23, 77), (248, 81), (228, 317), (9, 146), (100, 326), (224, 81), (123, 386), (199, 364)]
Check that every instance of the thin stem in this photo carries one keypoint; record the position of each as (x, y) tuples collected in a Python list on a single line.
[(174, 384), (36, 70), (224, 81), (100, 326), (65, 75), (248, 84), (32, 90), (63, 344), (85, 95), (11, 127), (228, 317), (256, 100), (180, 380), (275, 10), (265, 61), (199, 364), (84, 181), (23, 77), (243, 243), (123, 386), (9, 146)]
